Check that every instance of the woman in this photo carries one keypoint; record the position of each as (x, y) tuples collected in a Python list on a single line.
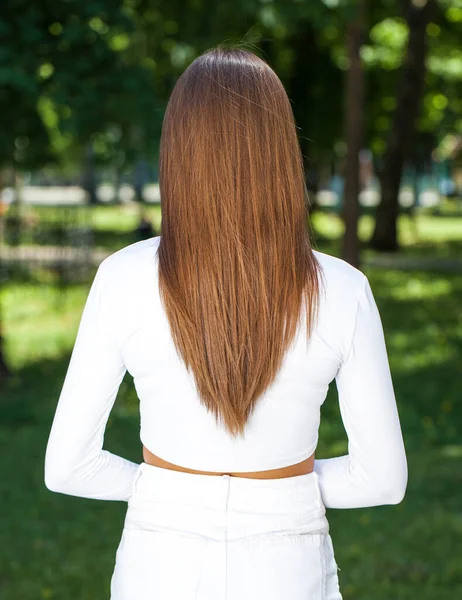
[(232, 327)]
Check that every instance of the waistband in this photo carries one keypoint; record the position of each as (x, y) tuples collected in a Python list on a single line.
[(157, 482), (224, 506)]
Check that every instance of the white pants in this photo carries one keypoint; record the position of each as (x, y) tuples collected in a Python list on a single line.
[(216, 537)]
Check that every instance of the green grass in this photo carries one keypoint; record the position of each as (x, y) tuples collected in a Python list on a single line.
[(427, 235), (59, 547)]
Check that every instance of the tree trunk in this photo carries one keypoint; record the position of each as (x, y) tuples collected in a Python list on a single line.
[(89, 176), (409, 96), (303, 44), (354, 130), (4, 371), (140, 178)]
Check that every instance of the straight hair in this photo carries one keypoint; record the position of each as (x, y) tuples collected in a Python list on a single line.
[(235, 256)]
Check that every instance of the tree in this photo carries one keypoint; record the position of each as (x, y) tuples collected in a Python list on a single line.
[(354, 126), (408, 101), (67, 79)]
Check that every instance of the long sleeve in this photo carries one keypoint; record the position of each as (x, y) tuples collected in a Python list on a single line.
[(75, 463), (374, 472)]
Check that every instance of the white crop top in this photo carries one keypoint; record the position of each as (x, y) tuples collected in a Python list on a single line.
[(124, 328)]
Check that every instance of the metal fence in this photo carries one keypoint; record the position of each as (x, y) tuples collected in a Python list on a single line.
[(57, 240)]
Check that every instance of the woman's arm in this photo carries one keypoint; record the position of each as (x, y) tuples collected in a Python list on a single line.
[(75, 462), (374, 472)]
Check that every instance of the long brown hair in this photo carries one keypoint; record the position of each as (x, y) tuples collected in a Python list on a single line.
[(235, 257)]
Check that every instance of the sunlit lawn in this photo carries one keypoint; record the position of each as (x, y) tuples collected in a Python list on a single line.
[(58, 547)]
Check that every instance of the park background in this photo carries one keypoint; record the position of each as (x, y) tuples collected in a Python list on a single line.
[(375, 87)]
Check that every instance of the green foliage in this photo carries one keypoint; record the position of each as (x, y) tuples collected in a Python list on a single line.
[(100, 72), (441, 107), (388, 43), (66, 76)]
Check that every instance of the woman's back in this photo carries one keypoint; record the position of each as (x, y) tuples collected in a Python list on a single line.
[(175, 425)]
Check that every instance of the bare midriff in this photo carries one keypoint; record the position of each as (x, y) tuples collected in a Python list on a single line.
[(301, 468)]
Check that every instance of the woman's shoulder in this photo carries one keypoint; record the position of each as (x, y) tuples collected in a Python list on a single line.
[(342, 284), (131, 257), (128, 272), (338, 274)]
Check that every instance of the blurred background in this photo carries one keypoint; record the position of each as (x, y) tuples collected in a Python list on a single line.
[(376, 89)]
